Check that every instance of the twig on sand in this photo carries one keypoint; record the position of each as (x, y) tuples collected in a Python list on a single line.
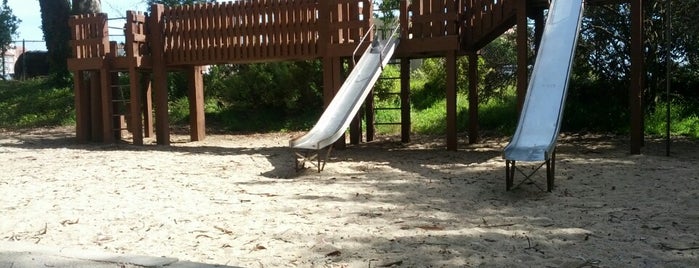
[(69, 222), (390, 264), (43, 231), (224, 230), (669, 247)]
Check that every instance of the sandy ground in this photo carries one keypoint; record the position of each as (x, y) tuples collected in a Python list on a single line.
[(236, 200)]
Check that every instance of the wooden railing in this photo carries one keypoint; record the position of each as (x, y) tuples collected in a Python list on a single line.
[(347, 22), (89, 41), (264, 30), (485, 20), (136, 32), (240, 31), (433, 18)]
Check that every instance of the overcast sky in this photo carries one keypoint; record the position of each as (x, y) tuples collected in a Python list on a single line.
[(30, 28)]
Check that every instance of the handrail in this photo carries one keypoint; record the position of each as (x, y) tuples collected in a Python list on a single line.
[(361, 41)]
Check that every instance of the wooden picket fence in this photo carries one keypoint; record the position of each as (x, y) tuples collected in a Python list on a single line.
[(486, 20), (89, 41), (252, 31)]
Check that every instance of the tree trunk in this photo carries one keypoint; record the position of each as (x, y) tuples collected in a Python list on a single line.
[(54, 23)]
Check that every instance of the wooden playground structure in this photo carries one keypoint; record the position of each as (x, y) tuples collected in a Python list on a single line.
[(185, 38)]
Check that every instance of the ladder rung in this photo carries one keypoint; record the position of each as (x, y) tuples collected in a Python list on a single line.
[(386, 93)]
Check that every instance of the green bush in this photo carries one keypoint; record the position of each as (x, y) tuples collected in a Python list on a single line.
[(35, 103)]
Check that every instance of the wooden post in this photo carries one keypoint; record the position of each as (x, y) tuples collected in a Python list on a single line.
[(337, 83), (106, 104), (473, 135), (147, 102), (82, 107), (95, 106), (197, 124), (538, 27), (405, 99), (136, 121), (451, 100), (636, 88), (370, 116), (162, 125), (356, 124), (522, 50)]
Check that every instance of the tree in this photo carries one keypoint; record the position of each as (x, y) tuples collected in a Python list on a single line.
[(86, 6), (54, 24), (8, 28)]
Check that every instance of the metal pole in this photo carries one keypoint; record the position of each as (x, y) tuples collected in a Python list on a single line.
[(24, 59), (668, 68)]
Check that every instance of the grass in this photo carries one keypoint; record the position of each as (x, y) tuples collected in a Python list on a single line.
[(684, 120), (35, 103)]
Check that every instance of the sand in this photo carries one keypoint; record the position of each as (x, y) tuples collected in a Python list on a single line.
[(236, 200)]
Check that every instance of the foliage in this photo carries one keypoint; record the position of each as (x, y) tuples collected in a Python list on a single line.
[(684, 119), (54, 24), (495, 69), (86, 6), (35, 103), (290, 87), (8, 28), (604, 46)]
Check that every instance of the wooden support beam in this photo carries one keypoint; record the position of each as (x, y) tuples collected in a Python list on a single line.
[(336, 84), (451, 100), (162, 124), (473, 135), (197, 122), (136, 121), (637, 74), (539, 23), (331, 85), (522, 51), (370, 116), (356, 124), (405, 100), (106, 104), (82, 107), (147, 99), (95, 106)]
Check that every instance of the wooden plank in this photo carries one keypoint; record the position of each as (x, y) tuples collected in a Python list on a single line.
[(197, 125), (522, 54), (159, 77), (136, 122), (82, 107), (106, 104), (95, 106), (637, 77), (473, 135), (451, 96), (405, 100), (147, 105)]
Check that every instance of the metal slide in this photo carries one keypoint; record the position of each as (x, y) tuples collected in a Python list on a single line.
[(344, 106), (540, 119)]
